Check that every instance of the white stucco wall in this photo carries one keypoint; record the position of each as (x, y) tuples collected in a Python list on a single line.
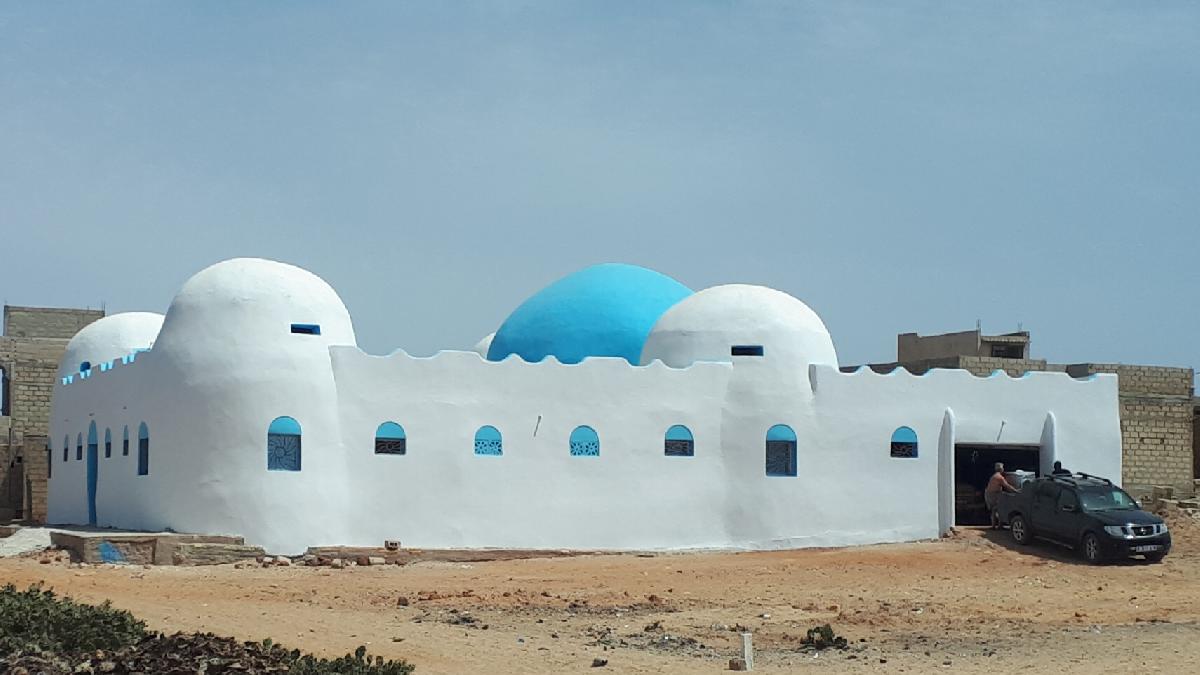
[(225, 364)]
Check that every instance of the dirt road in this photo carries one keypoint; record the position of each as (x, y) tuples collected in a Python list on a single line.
[(971, 603)]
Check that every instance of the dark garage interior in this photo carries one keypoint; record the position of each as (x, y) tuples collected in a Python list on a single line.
[(973, 469)]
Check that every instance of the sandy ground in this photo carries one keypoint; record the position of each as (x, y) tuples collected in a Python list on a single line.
[(969, 603)]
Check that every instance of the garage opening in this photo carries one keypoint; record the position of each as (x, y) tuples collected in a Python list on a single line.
[(972, 469)]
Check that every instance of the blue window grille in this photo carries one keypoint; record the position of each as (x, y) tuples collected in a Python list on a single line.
[(283, 445), (904, 443), (125, 442), (390, 439), (781, 451), (488, 441), (585, 442), (79, 447), (107, 443), (306, 329), (143, 450), (678, 442), (66, 448)]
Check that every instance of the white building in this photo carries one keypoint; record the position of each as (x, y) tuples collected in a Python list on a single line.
[(615, 409)]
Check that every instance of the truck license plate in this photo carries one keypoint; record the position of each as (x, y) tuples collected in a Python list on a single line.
[(1148, 548)]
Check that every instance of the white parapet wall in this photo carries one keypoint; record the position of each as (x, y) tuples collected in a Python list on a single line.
[(248, 342)]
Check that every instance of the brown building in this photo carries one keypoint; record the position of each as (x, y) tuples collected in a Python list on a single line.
[(31, 345), (1159, 411)]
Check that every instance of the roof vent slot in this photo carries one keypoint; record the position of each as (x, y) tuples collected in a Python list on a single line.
[(746, 350)]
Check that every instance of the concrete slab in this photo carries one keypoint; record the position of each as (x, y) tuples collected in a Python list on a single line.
[(135, 548)]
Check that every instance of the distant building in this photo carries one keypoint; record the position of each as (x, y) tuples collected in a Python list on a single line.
[(1159, 413), (31, 346)]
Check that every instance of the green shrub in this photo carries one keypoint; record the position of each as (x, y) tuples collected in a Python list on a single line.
[(40, 632), (358, 663), (35, 620)]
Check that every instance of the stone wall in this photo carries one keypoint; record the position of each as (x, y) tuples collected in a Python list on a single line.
[(36, 478), (982, 366), (1158, 423), (1195, 440), (33, 343), (23, 476), (32, 369), (1157, 436), (986, 365), (46, 322)]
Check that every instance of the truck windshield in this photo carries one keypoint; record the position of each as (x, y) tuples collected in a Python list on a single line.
[(1105, 499)]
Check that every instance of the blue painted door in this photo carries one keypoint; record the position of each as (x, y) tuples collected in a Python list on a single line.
[(92, 467)]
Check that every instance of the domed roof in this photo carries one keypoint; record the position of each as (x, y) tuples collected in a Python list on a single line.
[(707, 325), (244, 302), (603, 310), (110, 338), (485, 343)]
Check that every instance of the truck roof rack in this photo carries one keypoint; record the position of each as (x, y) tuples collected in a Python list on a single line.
[(1074, 478)]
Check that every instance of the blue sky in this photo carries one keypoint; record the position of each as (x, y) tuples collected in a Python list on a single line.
[(897, 166)]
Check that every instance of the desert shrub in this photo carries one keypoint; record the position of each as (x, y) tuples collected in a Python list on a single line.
[(43, 633), (358, 663), (36, 620)]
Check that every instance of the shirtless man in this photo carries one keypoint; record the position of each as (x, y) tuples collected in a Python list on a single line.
[(996, 484)]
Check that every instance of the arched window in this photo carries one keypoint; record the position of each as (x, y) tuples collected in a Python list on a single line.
[(79, 446), (125, 442), (107, 443), (390, 439), (283, 445), (678, 442), (143, 450), (781, 451), (66, 448), (488, 441), (904, 443), (585, 442)]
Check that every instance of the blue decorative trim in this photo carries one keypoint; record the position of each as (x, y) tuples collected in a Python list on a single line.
[(390, 430), (488, 441), (390, 439), (904, 443), (781, 432), (585, 442), (284, 425)]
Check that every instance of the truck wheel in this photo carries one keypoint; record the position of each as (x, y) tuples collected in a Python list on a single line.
[(1091, 549), (1019, 529)]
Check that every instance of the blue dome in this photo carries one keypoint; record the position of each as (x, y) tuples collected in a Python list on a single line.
[(603, 310)]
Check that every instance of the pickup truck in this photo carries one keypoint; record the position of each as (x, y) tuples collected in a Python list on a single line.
[(1086, 513)]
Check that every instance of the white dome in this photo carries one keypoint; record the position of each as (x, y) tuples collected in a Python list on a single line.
[(252, 304), (110, 338), (484, 345), (707, 325)]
